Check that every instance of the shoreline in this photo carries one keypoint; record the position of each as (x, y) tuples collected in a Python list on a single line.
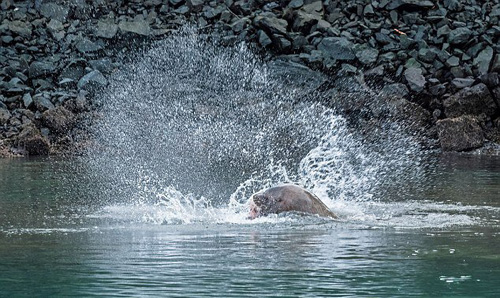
[(431, 64)]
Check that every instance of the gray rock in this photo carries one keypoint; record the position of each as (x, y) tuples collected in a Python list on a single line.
[(27, 100), (460, 83), (264, 40), (460, 134), (459, 35), (452, 61), (4, 116), (367, 56), (32, 141), (271, 24), (55, 25), (137, 27), (296, 74), (106, 29), (416, 81), (495, 65), (483, 60), (20, 28), (195, 5), (58, 120), (396, 89), (303, 22), (295, 4), (93, 78), (104, 65), (54, 11), (87, 46), (42, 103), (470, 100), (421, 4), (338, 48), (38, 69)]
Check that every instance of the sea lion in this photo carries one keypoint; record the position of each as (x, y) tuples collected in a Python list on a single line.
[(287, 198)]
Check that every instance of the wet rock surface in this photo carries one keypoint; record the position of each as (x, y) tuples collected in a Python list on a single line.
[(441, 59)]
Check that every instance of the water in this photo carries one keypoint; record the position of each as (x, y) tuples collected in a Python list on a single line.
[(188, 131)]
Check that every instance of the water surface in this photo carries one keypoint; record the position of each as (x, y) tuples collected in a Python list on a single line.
[(56, 244)]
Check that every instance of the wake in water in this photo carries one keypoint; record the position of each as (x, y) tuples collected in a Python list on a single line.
[(190, 130)]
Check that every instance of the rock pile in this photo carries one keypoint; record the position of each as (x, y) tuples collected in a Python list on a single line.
[(437, 59)]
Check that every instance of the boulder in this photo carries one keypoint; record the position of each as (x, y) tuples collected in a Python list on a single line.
[(460, 134), (32, 141), (58, 120), (470, 100)]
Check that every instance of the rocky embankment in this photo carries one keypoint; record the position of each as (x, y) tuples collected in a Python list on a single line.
[(435, 62)]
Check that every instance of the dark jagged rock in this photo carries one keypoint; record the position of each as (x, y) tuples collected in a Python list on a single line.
[(42, 103), (32, 142), (459, 35), (38, 69), (471, 100), (460, 134), (4, 116), (338, 48), (271, 24)]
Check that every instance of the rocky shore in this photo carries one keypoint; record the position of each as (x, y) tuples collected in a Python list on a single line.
[(434, 63)]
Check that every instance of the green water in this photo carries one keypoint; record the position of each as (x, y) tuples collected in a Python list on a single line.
[(56, 241)]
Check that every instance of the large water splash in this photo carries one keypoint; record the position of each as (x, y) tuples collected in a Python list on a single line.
[(190, 129)]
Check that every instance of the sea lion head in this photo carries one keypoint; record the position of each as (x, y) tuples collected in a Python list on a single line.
[(273, 200)]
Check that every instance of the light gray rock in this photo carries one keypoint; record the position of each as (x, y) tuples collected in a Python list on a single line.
[(416, 81), (106, 29), (460, 133), (27, 100), (483, 60), (264, 40), (460, 83), (87, 46), (93, 78), (137, 27), (367, 56)]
